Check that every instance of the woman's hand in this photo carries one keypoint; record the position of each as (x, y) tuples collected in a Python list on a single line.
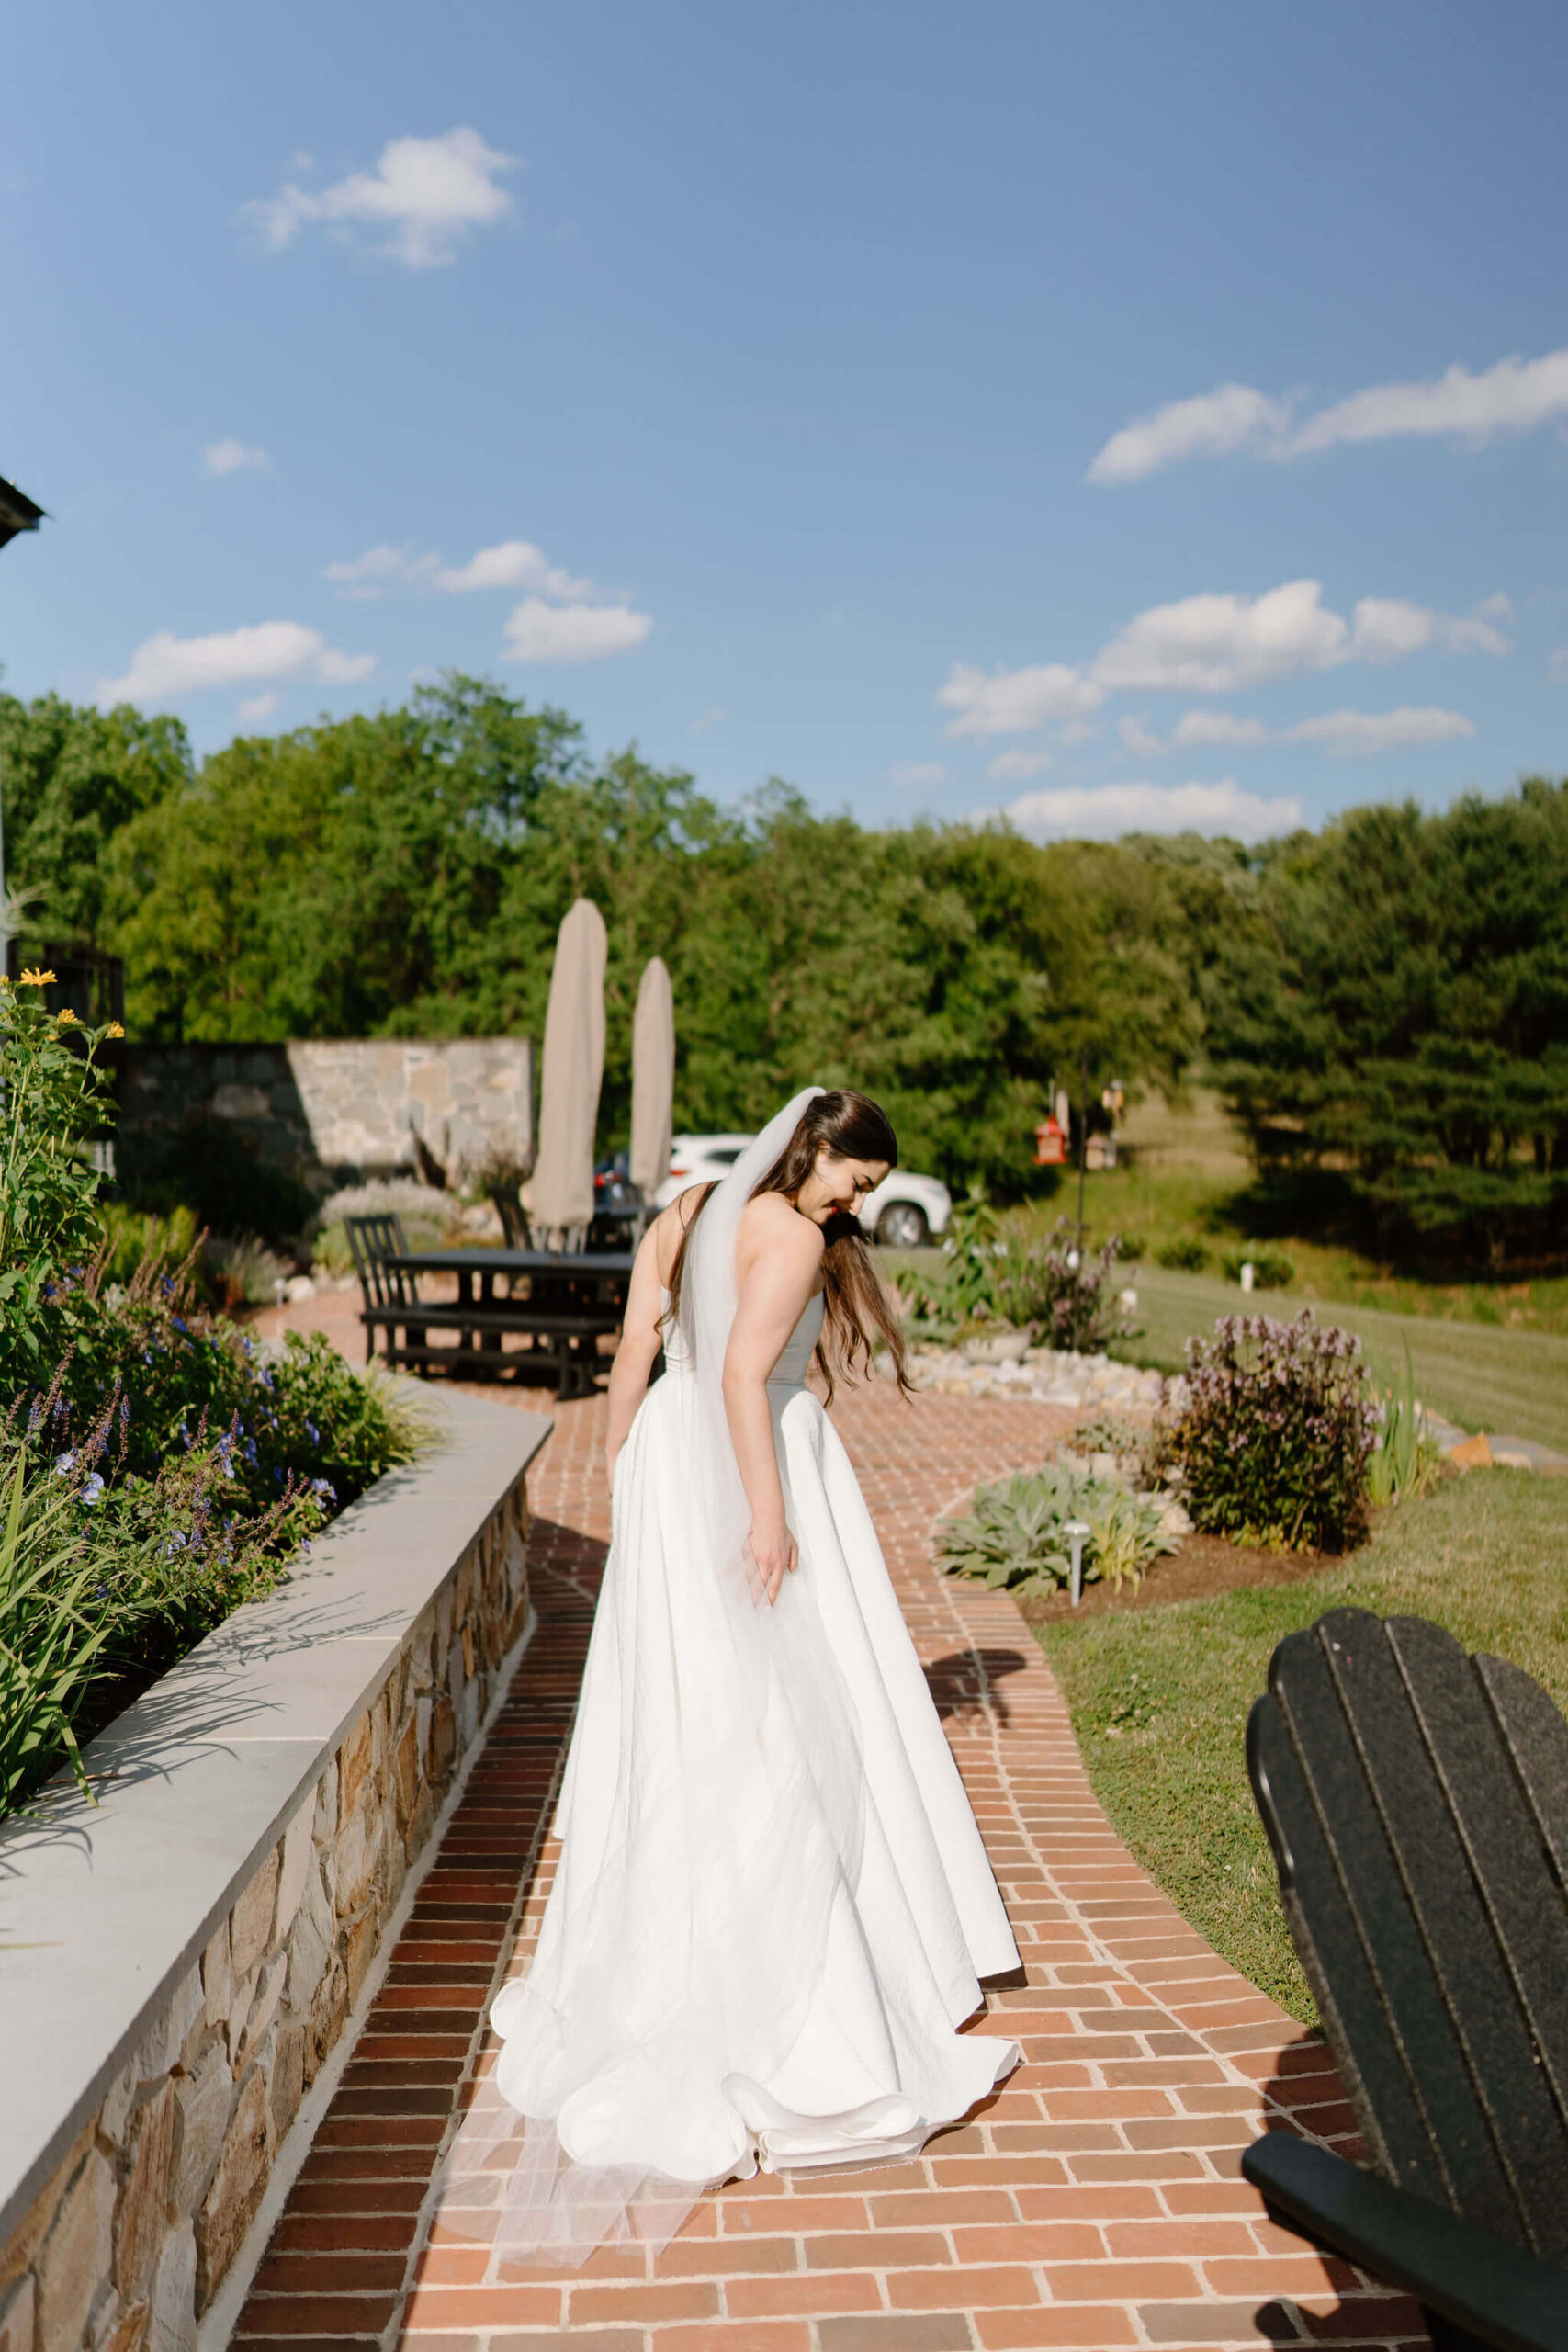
[(773, 1553)]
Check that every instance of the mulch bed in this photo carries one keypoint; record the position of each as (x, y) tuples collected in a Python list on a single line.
[(1205, 1565)]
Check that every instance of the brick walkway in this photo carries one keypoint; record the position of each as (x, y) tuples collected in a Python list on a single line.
[(1093, 2202)]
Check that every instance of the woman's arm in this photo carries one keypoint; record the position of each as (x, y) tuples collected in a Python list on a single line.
[(776, 1280), (642, 1335)]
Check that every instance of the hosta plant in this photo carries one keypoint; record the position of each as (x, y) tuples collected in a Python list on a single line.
[(1015, 1534)]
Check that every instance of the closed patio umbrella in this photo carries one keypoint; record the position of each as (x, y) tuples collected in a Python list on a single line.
[(562, 1193), (653, 1078)]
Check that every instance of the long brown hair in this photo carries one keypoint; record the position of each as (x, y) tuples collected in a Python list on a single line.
[(856, 1307)]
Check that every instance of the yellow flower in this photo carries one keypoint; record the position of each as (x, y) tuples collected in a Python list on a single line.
[(35, 979), (114, 1030), (66, 1018)]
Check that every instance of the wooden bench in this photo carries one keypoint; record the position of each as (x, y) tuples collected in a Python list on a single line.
[(1417, 1801), (567, 1305)]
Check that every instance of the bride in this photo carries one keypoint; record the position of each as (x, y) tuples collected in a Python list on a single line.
[(772, 1906)]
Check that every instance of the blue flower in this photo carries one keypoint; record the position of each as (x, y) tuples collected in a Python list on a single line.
[(64, 1466), (93, 1489)]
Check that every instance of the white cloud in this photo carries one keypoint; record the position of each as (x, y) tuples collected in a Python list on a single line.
[(1514, 396), (383, 568), (556, 622), (424, 192), (1233, 416), (1210, 727), (258, 707), (1557, 666), (1358, 734), (706, 719), (232, 457), (1103, 812), (166, 666), (336, 669), (1222, 644), (1212, 644), (1017, 767), (1139, 739), (516, 563), (1217, 644), (916, 775), (539, 632), (1344, 734), (1010, 702)]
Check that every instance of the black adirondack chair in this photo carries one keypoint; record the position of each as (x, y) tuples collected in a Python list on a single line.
[(1417, 1800), (391, 1300)]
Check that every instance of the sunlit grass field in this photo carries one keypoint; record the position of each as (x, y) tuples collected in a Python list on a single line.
[(1182, 1174)]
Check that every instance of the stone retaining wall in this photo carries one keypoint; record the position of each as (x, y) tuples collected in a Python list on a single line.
[(148, 2202), (340, 1111)]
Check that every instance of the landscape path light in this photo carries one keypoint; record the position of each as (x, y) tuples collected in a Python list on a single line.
[(1077, 1532)]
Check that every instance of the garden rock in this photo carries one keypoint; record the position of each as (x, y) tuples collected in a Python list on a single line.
[(1042, 1375)]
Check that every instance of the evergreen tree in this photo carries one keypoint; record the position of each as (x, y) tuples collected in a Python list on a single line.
[(1401, 1015)]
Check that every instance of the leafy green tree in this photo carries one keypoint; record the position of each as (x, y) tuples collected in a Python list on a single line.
[(73, 777), (405, 873)]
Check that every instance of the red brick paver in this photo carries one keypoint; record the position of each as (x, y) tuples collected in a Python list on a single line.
[(1094, 2201)]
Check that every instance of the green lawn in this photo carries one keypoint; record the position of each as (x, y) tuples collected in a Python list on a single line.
[(1160, 1696), (1184, 1175), (1482, 1376)]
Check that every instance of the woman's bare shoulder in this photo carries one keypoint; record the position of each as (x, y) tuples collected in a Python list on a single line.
[(769, 1222)]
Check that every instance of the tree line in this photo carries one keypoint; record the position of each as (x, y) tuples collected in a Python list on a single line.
[(1381, 1001)]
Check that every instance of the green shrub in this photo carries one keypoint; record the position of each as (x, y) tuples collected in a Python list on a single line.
[(131, 1236), (1014, 1536), (1272, 1270), (1063, 1296), (53, 1094), (1274, 1433), (55, 1616), (1184, 1255), (242, 1271), (991, 1271), (209, 1168)]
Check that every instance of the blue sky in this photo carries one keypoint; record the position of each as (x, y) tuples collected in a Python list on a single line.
[(1124, 415)]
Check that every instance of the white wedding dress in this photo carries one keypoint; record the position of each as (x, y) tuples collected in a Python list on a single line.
[(772, 1904)]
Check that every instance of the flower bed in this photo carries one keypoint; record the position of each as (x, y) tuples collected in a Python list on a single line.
[(156, 1469), (189, 1954)]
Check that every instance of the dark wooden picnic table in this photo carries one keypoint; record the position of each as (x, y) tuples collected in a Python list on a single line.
[(562, 1300)]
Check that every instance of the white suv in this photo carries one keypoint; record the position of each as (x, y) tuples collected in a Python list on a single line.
[(903, 1212)]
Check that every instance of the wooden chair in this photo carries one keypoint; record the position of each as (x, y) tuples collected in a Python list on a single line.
[(1417, 1800), (391, 1298)]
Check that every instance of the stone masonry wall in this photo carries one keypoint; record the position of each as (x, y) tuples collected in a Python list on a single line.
[(132, 2238), (338, 1110)]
